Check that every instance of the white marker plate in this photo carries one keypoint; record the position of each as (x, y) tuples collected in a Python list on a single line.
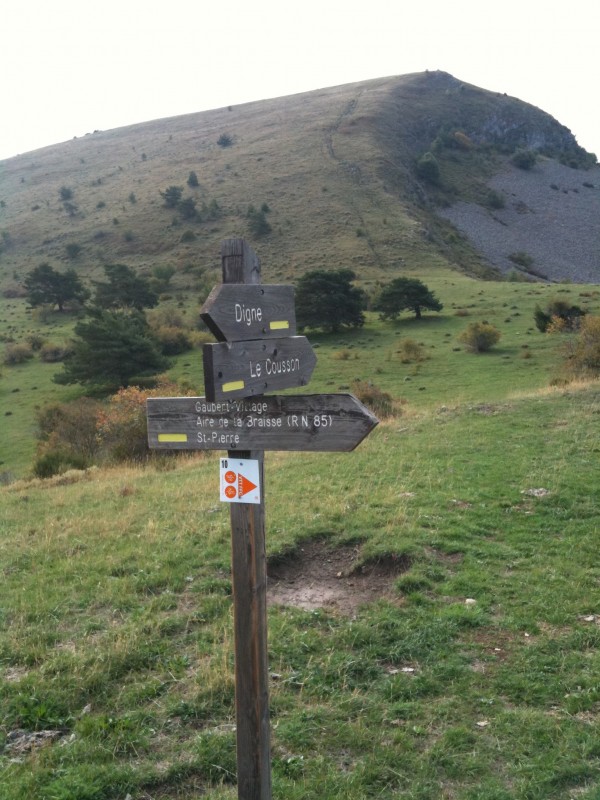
[(240, 480)]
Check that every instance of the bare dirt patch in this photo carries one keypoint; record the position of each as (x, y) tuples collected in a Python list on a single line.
[(321, 575)]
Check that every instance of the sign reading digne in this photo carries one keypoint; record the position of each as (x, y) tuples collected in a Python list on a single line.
[(318, 422), (238, 312), (244, 369)]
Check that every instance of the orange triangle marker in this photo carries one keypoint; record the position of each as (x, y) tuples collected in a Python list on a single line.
[(244, 485)]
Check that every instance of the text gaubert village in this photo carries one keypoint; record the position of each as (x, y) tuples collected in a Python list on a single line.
[(216, 429)]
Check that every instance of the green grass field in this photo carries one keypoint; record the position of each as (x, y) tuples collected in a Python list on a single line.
[(523, 360), (473, 677)]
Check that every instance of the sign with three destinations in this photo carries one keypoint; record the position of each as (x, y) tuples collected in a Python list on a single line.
[(316, 422), (250, 359)]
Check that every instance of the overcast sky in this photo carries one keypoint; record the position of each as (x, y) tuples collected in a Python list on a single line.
[(70, 67)]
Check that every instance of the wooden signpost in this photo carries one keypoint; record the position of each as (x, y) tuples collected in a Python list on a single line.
[(257, 351), (236, 312), (316, 422), (244, 369)]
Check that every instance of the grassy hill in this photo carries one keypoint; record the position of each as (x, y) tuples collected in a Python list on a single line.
[(337, 168), (433, 621)]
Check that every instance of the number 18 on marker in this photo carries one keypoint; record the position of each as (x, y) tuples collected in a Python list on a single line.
[(240, 480)]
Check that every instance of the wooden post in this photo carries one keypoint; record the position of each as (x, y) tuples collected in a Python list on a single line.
[(299, 422), (249, 576)]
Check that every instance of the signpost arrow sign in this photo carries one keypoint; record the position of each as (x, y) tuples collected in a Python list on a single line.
[(317, 422), (239, 312), (250, 359), (244, 369)]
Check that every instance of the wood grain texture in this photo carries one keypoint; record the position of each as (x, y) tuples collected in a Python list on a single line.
[(316, 423), (239, 312), (246, 369), (241, 265)]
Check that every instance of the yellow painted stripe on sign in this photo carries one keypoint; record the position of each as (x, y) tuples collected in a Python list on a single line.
[(232, 386), (172, 437), (279, 325)]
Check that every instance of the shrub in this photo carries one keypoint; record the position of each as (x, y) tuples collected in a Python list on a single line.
[(35, 341), (122, 428), (257, 221), (560, 316), (172, 340), (73, 250), (188, 236), (225, 140), (54, 462), (198, 338), (541, 319), (584, 353), (167, 315), (66, 437), (161, 275), (524, 159), (172, 196), (213, 211), (42, 314), (69, 427), (521, 259), (556, 325), (192, 180), (514, 276), (187, 208), (51, 353), (70, 208), (411, 351), (495, 199), (17, 353), (428, 168), (378, 401), (342, 355), (12, 292), (479, 337), (462, 141)]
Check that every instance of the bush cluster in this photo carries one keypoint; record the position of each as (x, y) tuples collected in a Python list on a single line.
[(559, 316), (66, 437), (78, 434), (479, 337), (378, 401), (122, 429), (411, 351), (17, 353), (257, 220), (173, 340), (584, 352), (524, 159), (428, 169), (51, 353)]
